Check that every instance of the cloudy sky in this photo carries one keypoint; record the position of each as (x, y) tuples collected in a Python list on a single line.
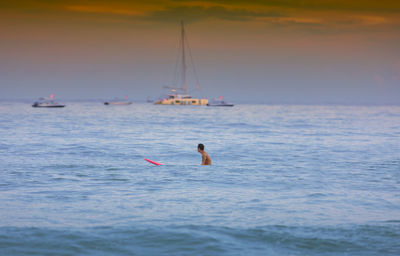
[(262, 51)]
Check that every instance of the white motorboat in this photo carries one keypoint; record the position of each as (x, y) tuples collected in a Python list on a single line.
[(117, 102), (219, 103), (47, 103)]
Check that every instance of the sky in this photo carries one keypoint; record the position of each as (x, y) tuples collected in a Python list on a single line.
[(260, 51)]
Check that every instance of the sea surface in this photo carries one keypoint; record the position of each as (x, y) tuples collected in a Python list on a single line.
[(285, 180)]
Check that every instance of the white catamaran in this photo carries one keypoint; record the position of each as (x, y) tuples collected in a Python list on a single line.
[(174, 97)]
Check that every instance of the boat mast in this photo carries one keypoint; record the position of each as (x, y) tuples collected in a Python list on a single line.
[(183, 57)]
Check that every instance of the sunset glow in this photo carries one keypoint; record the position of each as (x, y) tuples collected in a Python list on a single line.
[(266, 51)]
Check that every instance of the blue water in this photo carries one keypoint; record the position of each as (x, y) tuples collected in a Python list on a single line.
[(285, 180)]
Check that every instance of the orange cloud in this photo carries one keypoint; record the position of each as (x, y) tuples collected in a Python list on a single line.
[(331, 16), (299, 20), (372, 20), (105, 10)]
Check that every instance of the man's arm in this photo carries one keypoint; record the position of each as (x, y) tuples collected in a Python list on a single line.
[(203, 159)]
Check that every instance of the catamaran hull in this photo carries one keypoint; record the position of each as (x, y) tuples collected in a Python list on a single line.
[(190, 102)]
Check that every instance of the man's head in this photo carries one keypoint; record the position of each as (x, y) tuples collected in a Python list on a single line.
[(200, 147)]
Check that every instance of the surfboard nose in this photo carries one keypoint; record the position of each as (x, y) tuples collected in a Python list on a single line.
[(153, 162)]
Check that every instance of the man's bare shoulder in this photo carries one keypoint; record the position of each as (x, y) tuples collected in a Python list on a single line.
[(206, 158)]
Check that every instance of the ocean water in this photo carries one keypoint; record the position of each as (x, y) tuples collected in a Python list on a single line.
[(285, 180)]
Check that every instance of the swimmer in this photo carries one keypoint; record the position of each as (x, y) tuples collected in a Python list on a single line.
[(205, 158)]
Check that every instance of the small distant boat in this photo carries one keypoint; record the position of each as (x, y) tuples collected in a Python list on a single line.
[(47, 103), (117, 102), (219, 103)]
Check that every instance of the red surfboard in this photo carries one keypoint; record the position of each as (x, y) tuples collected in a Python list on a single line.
[(150, 161)]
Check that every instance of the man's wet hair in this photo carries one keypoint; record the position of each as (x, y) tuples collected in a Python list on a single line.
[(200, 146)]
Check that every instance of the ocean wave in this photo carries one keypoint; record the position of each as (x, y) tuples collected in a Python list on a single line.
[(379, 239)]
